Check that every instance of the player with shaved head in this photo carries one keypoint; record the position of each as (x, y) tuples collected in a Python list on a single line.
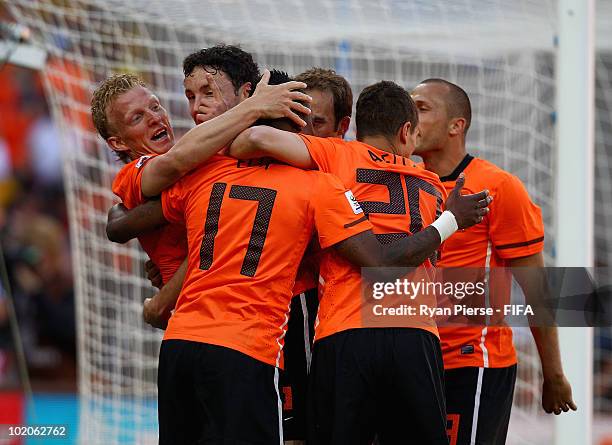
[(480, 361)]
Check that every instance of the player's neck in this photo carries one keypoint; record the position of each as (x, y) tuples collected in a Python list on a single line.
[(443, 162), (385, 144)]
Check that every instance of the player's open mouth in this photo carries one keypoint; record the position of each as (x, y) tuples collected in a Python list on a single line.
[(160, 134)]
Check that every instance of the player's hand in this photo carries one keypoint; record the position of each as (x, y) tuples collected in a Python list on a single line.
[(557, 396), (214, 105), (278, 101), (152, 315), (153, 274), (468, 209)]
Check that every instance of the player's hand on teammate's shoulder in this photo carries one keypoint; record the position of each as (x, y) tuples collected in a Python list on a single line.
[(153, 315), (468, 209), (278, 101), (557, 395)]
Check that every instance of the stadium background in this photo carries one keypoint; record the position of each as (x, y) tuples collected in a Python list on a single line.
[(55, 173)]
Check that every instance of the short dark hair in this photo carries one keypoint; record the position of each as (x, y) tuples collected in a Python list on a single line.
[(457, 101), (233, 61), (327, 80), (382, 108), (276, 78)]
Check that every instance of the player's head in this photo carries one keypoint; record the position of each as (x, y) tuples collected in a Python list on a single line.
[(386, 110), (130, 118), (445, 114), (233, 69), (332, 101), (276, 78)]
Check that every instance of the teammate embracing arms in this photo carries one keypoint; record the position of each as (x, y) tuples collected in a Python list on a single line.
[(366, 381)]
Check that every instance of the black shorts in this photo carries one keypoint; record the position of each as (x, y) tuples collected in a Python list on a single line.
[(298, 355), (478, 402), (215, 395), (386, 382)]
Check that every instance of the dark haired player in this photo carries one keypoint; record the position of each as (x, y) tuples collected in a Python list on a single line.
[(364, 251), (134, 124), (366, 381), (332, 105)]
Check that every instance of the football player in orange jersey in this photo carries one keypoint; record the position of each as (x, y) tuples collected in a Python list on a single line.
[(332, 101), (207, 97), (134, 124), (385, 381), (480, 362), (332, 105), (225, 322), (418, 248)]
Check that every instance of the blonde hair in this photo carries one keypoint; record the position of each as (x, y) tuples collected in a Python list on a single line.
[(104, 95)]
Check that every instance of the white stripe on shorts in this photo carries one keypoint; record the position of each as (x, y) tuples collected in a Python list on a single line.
[(476, 406), (280, 408)]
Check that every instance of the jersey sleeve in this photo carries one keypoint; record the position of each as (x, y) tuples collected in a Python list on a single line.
[(127, 182), (337, 213), (324, 152), (173, 199), (515, 228)]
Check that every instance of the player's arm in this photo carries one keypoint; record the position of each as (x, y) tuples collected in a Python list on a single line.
[(557, 391), (264, 141), (156, 311), (154, 274), (364, 250), (123, 225), (202, 142)]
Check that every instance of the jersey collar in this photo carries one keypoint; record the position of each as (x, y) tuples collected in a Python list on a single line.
[(457, 171)]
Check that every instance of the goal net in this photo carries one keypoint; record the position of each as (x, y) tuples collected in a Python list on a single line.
[(502, 53)]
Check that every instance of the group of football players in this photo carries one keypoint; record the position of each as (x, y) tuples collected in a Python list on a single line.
[(259, 221)]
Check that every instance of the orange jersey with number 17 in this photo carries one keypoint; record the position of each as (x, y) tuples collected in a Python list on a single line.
[(248, 225)]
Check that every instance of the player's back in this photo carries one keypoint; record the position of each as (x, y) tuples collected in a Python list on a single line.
[(166, 246), (399, 198), (248, 225)]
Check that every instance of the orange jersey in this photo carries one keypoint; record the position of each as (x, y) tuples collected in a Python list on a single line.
[(399, 198), (308, 274), (167, 246), (248, 225), (513, 228)]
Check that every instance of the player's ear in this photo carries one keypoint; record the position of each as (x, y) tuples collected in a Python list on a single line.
[(343, 126), (405, 133), (245, 91), (117, 144), (456, 126)]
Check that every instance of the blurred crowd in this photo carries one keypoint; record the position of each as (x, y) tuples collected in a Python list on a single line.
[(34, 237)]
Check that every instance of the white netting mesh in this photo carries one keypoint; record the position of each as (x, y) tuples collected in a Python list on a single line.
[(501, 52)]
